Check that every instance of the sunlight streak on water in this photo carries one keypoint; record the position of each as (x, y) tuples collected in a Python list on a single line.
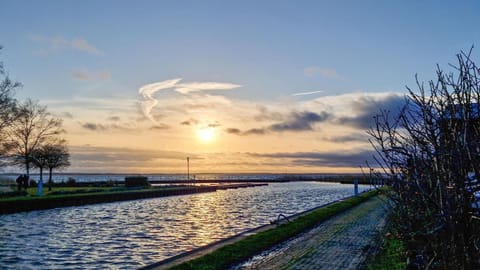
[(128, 235)]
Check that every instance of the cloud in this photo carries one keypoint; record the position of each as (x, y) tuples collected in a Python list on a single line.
[(326, 159), (160, 127), (355, 137), (82, 45), (190, 122), (329, 73), (126, 160), (255, 131), (148, 91), (264, 114), (365, 108), (214, 125), (235, 131), (113, 118), (66, 115), (300, 121), (58, 43), (85, 75), (94, 127), (186, 88), (295, 122), (307, 93), (108, 127)]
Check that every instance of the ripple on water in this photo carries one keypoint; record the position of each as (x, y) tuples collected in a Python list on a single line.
[(127, 235)]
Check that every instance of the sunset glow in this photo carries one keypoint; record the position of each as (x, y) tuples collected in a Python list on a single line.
[(206, 135), (237, 86)]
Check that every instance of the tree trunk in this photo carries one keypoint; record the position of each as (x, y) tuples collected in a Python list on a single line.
[(50, 181), (40, 183)]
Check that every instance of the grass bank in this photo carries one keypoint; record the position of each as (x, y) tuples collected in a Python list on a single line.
[(76, 197), (232, 254)]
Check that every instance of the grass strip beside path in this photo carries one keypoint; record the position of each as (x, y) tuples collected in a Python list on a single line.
[(392, 254), (230, 255)]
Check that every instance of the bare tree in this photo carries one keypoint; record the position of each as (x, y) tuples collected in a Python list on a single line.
[(56, 157), (431, 155), (39, 160), (32, 128), (7, 104)]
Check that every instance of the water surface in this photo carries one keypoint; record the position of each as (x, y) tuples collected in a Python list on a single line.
[(131, 234)]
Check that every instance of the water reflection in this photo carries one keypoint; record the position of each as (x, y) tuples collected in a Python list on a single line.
[(127, 235)]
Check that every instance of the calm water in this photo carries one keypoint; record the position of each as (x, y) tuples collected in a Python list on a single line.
[(128, 235)]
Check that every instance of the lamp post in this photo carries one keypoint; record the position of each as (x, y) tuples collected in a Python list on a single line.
[(188, 169)]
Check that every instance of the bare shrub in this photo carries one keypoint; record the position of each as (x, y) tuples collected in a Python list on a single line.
[(430, 153)]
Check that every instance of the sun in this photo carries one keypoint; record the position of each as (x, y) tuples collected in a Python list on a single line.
[(206, 135)]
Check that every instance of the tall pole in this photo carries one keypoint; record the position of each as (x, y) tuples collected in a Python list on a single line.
[(188, 168)]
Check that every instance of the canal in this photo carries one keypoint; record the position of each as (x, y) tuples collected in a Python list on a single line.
[(131, 234)]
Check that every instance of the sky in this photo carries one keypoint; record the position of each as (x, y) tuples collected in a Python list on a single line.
[(236, 86)]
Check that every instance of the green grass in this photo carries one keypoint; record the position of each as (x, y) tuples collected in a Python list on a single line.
[(243, 249), (391, 255), (59, 192)]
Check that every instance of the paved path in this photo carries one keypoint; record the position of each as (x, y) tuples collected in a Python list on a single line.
[(342, 242)]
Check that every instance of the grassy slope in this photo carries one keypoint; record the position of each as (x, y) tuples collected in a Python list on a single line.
[(243, 249)]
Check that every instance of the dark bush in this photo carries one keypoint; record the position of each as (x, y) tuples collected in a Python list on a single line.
[(32, 183), (136, 181), (71, 182)]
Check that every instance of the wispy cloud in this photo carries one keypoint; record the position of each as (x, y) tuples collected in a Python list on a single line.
[(148, 91), (307, 93), (85, 75), (329, 73), (185, 88), (82, 45), (58, 43)]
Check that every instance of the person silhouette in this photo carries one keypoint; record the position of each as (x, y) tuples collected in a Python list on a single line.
[(25, 181), (19, 182)]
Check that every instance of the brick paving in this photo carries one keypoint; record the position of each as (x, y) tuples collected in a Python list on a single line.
[(344, 241)]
